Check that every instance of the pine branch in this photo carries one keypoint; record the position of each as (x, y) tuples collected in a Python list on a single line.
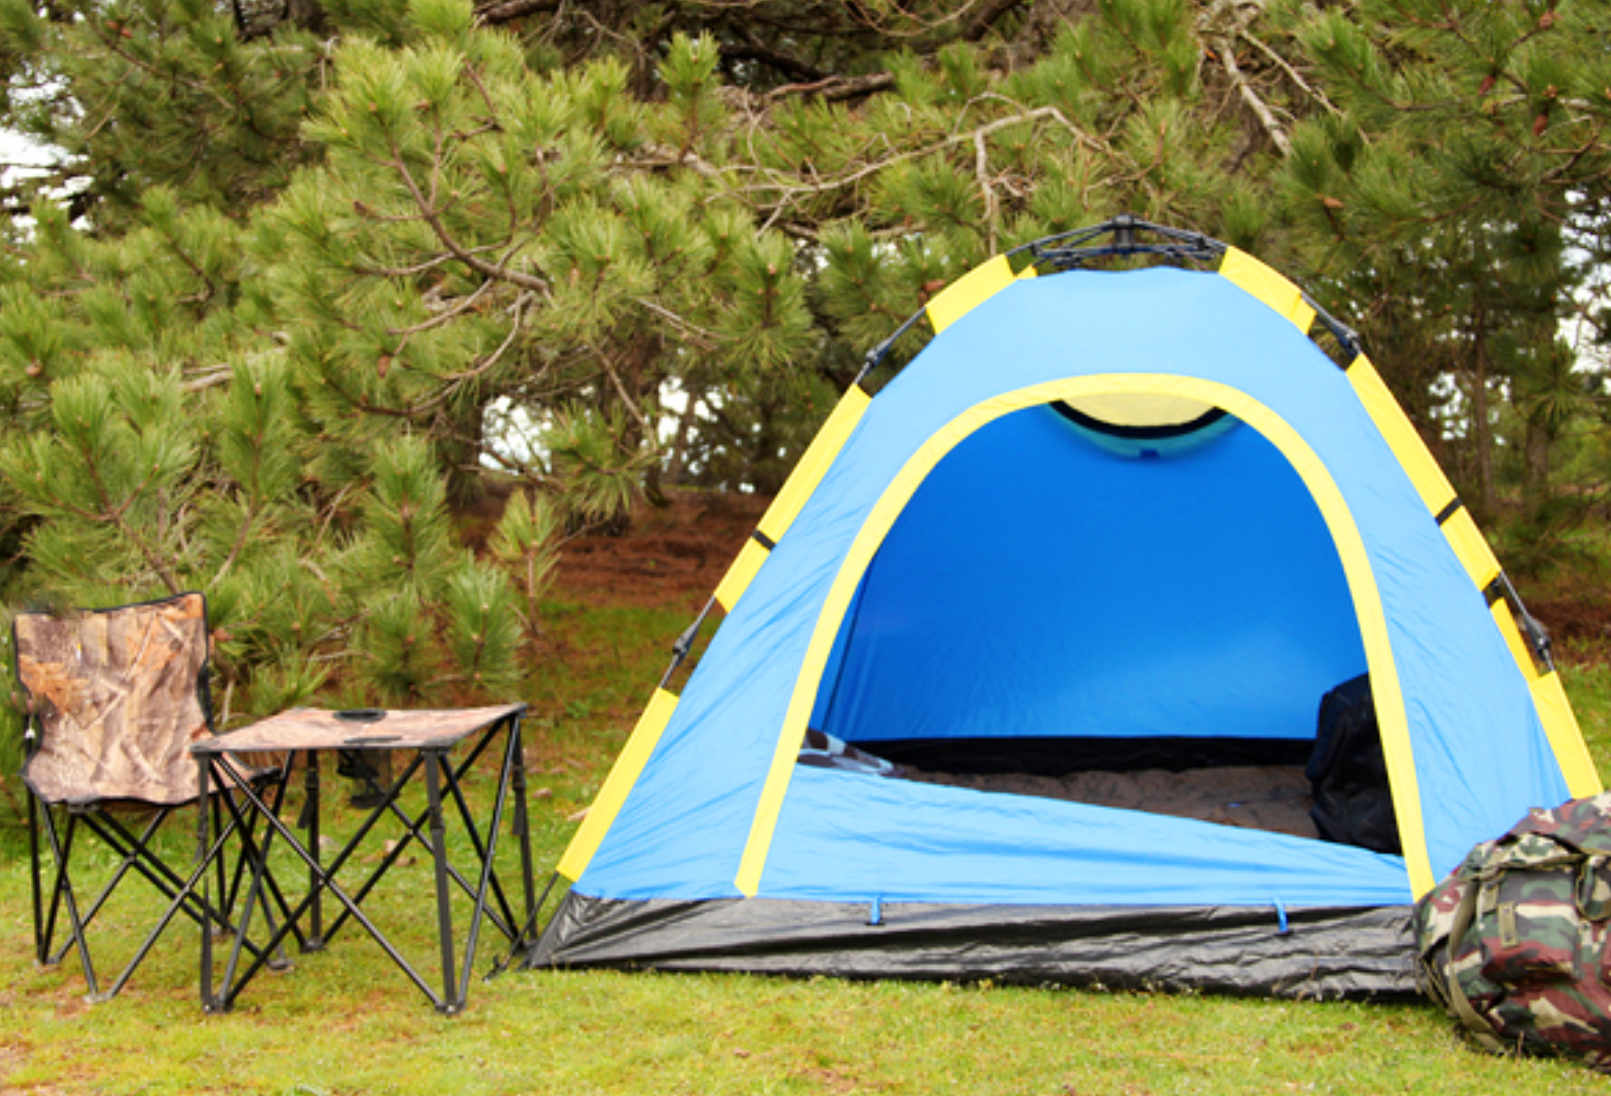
[(836, 88), (1292, 74), (458, 250), (701, 337), (981, 169), (791, 191), (666, 156), (1260, 109), (463, 305)]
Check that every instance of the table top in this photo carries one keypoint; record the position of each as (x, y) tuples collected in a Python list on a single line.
[(364, 728)]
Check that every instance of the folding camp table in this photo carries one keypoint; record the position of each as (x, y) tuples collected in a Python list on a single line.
[(311, 731)]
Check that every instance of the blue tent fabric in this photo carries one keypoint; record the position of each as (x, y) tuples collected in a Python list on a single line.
[(1480, 754), (1073, 600)]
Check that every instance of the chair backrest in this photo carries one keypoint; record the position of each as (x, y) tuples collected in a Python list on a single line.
[(116, 697)]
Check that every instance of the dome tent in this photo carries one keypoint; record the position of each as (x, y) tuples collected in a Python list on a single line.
[(1103, 520)]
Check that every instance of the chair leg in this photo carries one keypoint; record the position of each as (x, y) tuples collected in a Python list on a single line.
[(180, 900), (41, 944), (61, 849), (128, 862)]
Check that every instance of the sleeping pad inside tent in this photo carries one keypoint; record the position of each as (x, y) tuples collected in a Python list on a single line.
[(1020, 672)]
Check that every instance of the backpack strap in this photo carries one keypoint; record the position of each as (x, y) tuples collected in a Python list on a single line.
[(1480, 1029)]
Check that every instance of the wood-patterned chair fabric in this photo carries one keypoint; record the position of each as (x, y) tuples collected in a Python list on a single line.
[(115, 694)]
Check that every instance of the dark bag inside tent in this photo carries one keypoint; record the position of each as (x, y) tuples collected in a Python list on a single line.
[(1353, 803)]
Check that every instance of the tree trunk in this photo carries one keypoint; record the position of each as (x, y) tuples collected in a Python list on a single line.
[(1535, 482), (1482, 436)]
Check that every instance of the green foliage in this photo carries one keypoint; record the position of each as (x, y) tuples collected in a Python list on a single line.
[(292, 285), (483, 627), (1457, 152), (525, 542)]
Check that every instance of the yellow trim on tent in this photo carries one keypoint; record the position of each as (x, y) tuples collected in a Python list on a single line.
[(1565, 737), (1554, 710), (786, 506), (1268, 285), (1471, 549), (808, 471), (971, 290), (623, 774), (1395, 426), (740, 572), (1345, 536), (1505, 621)]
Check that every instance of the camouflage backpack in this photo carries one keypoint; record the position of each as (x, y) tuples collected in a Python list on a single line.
[(1514, 943)]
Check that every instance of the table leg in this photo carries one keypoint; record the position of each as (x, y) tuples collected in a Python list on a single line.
[(450, 1002), (208, 1002), (522, 831), (310, 787)]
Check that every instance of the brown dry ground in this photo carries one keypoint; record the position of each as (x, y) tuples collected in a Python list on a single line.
[(671, 556)]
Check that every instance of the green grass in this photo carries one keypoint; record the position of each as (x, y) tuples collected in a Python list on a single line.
[(344, 1021)]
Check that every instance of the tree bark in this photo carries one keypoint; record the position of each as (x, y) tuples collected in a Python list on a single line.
[(1482, 438)]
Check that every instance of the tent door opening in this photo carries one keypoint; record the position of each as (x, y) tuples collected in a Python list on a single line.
[(1081, 605)]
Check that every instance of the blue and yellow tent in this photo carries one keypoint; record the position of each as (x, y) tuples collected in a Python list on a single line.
[(1101, 512)]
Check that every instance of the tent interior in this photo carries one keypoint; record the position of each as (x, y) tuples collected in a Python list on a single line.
[(1129, 602)]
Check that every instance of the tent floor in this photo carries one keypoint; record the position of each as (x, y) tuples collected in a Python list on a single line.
[(1260, 797), (1275, 795)]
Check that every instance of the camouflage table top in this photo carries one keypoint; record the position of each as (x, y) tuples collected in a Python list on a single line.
[(362, 728)]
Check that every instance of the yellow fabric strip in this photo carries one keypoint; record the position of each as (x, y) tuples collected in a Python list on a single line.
[(968, 292), (1505, 621), (740, 572), (808, 471), (623, 774), (1393, 725), (1565, 738), (1269, 286), (1471, 549), (1395, 426), (1480, 563)]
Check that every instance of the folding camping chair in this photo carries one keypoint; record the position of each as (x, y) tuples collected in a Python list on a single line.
[(113, 699)]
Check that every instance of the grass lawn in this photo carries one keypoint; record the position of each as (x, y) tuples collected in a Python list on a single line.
[(345, 1021)]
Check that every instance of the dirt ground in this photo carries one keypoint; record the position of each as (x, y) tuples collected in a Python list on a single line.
[(671, 556), (1583, 624)]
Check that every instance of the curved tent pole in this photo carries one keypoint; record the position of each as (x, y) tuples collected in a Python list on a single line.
[(1075, 249)]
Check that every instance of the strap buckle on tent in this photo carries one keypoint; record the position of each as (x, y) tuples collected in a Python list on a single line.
[(684, 643), (1537, 636), (1281, 926), (875, 912)]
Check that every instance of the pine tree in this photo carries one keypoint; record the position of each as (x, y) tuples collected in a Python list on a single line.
[(1468, 157), (298, 274)]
